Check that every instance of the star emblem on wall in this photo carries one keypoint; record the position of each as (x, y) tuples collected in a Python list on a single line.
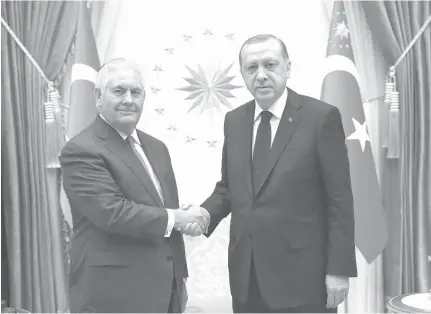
[(169, 51), (187, 37), (206, 91), (360, 133), (342, 30), (155, 90), (190, 139), (172, 127), (204, 85), (211, 144), (160, 111), (230, 36), (158, 68)]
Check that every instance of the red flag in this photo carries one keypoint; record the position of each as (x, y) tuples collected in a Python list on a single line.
[(340, 88), (82, 108), (82, 104)]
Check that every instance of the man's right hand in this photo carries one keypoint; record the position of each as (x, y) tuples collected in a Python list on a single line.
[(189, 215), (193, 229)]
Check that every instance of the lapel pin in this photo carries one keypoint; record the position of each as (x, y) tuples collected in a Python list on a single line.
[(290, 119)]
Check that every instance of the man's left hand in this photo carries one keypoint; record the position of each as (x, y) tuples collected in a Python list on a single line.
[(337, 288)]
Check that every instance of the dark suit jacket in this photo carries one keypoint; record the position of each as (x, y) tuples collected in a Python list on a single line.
[(297, 224), (120, 259)]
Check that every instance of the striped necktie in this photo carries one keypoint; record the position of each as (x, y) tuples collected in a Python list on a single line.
[(132, 142)]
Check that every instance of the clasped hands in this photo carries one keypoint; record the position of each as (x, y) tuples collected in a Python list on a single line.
[(192, 220)]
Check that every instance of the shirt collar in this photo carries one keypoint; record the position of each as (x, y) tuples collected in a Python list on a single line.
[(276, 108), (122, 134)]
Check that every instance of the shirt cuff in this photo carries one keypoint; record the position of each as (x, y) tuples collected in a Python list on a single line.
[(171, 222)]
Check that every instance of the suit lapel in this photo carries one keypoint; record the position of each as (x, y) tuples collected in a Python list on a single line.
[(247, 139), (289, 121), (117, 145)]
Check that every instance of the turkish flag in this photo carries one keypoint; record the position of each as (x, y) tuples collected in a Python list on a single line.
[(340, 88), (82, 108), (82, 105)]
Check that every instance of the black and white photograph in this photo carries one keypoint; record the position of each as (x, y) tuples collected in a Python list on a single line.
[(229, 156)]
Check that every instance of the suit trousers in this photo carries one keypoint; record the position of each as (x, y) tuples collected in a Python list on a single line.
[(256, 304), (174, 304)]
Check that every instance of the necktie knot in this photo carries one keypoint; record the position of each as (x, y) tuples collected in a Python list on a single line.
[(265, 116), (130, 140)]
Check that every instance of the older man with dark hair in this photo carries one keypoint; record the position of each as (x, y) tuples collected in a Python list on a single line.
[(285, 179)]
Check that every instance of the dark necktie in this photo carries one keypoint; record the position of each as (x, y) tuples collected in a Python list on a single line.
[(262, 146)]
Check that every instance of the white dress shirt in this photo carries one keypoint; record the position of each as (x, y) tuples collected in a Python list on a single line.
[(151, 173), (276, 109)]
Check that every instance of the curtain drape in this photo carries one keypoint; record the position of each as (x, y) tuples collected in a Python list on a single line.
[(29, 190), (406, 182)]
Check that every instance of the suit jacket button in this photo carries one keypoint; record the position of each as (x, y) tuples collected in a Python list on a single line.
[(250, 234)]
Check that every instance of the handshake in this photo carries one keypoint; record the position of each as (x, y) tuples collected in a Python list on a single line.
[(191, 220)]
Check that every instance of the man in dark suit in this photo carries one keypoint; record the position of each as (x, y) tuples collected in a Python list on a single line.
[(126, 255), (286, 183)]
